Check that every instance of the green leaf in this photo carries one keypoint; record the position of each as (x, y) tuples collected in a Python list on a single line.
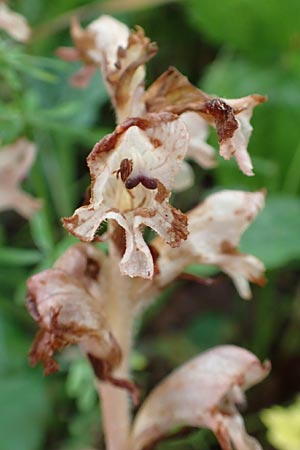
[(42, 232), (274, 237), (260, 29), (19, 257), (23, 411), (210, 329)]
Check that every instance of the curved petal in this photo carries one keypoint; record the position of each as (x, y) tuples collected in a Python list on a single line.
[(108, 44), (237, 145), (173, 92), (215, 229), (133, 171), (202, 393), (66, 303), (15, 161)]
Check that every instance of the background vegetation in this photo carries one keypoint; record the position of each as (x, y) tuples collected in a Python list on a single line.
[(230, 48)]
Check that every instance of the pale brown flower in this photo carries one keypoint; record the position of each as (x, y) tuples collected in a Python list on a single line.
[(133, 171), (69, 306), (173, 92), (215, 229), (202, 393), (120, 54)]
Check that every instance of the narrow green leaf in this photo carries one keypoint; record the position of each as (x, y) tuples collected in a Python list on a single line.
[(19, 257)]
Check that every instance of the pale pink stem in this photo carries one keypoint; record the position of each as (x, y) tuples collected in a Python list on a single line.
[(115, 401)]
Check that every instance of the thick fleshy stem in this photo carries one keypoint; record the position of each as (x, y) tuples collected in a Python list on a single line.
[(115, 401)]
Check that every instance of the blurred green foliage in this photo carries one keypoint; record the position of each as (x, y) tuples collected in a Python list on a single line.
[(231, 48)]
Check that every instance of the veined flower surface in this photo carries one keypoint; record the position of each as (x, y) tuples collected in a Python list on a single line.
[(215, 229), (173, 92), (71, 307), (120, 53), (203, 392), (133, 171)]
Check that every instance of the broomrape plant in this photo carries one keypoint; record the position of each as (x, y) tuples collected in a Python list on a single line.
[(92, 298)]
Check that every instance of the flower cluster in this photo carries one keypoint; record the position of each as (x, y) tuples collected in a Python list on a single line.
[(91, 298)]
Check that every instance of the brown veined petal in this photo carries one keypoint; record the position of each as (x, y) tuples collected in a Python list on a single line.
[(215, 229), (15, 161), (84, 262), (66, 303), (237, 145), (97, 45), (133, 171), (126, 82), (14, 24), (202, 393), (173, 92)]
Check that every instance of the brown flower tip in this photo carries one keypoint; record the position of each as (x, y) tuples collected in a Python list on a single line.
[(223, 115), (66, 303)]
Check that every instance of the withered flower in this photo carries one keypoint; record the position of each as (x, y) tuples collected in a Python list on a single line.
[(68, 305), (202, 393), (173, 92), (13, 23), (215, 229), (15, 161), (120, 53), (133, 171)]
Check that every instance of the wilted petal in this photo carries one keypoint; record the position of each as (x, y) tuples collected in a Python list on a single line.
[(108, 35), (108, 44), (237, 145), (14, 24), (15, 161), (126, 82), (133, 171), (173, 92), (202, 393), (62, 302), (215, 229)]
